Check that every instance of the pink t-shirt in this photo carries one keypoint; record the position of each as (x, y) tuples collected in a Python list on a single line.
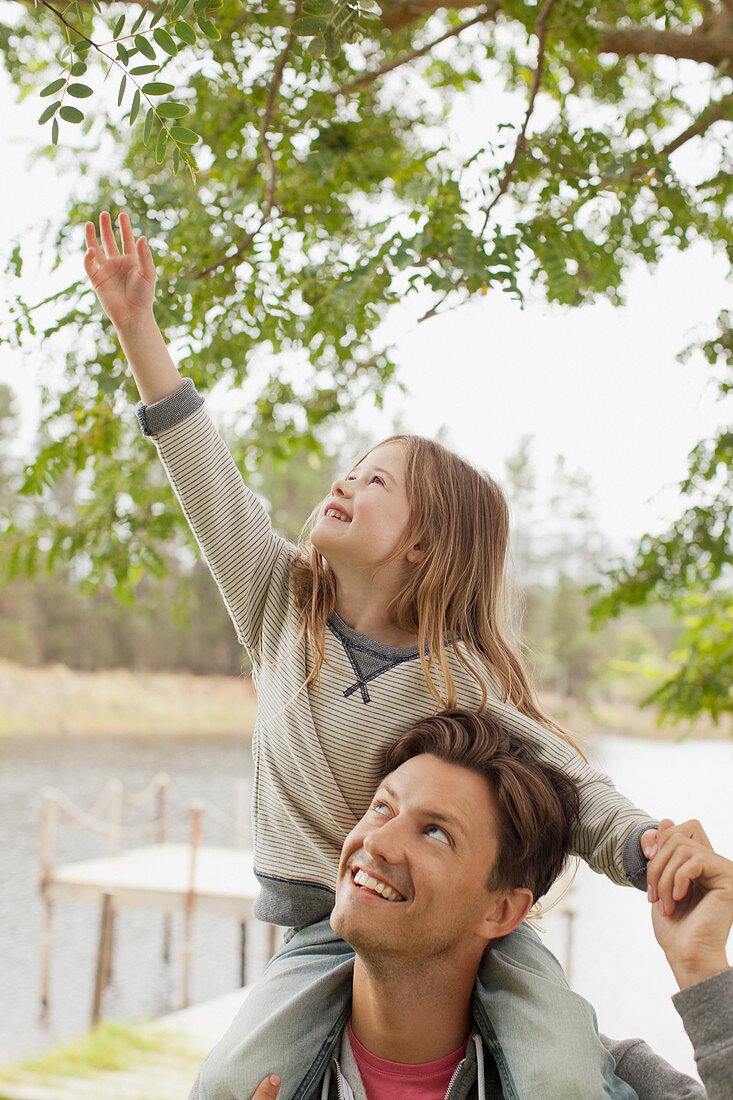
[(397, 1081)]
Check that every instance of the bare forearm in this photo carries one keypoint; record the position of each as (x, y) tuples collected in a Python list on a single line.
[(155, 373)]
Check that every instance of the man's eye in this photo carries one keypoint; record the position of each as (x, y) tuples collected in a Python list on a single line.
[(438, 833), (380, 808)]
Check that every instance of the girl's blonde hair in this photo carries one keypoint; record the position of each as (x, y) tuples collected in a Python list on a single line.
[(456, 595)]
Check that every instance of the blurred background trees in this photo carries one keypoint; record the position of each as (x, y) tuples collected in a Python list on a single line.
[(330, 187)]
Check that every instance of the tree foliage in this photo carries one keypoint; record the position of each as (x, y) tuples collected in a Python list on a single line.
[(328, 188)]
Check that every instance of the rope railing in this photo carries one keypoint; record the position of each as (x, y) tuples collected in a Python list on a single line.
[(84, 819), (114, 793)]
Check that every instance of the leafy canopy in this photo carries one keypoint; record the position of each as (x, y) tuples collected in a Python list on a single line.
[(323, 184)]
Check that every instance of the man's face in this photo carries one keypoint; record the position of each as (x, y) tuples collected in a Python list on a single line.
[(413, 874)]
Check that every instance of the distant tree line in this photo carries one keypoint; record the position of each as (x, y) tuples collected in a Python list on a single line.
[(176, 620)]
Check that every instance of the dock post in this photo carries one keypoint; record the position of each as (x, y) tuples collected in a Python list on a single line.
[(242, 951), (163, 782), (104, 956), (49, 819), (196, 815)]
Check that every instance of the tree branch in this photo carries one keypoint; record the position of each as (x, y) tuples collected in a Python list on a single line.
[(713, 49), (373, 74), (272, 93), (714, 112), (541, 32)]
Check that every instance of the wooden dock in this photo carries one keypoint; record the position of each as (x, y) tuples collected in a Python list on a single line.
[(172, 877)]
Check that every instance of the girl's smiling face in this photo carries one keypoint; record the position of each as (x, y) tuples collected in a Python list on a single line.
[(366, 518)]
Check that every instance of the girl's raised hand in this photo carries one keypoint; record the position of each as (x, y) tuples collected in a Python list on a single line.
[(124, 283)]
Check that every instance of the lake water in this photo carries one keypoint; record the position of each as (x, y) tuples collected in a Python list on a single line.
[(615, 961)]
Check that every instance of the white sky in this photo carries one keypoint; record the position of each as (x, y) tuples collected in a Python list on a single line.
[(599, 385)]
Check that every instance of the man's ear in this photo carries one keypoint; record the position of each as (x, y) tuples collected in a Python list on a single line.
[(506, 913)]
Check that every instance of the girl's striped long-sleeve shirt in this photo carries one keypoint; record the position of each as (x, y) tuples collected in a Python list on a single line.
[(319, 751)]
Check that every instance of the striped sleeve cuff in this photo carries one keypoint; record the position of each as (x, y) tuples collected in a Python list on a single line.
[(169, 412)]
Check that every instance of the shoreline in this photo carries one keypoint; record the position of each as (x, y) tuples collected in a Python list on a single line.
[(57, 701)]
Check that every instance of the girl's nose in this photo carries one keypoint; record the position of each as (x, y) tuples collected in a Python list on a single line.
[(339, 487)]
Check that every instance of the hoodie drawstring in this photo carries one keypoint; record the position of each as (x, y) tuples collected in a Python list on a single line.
[(480, 1075)]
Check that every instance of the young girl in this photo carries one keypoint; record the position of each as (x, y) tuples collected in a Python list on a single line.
[(393, 610)]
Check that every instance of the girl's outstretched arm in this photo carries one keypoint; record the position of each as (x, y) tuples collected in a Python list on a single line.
[(125, 286)]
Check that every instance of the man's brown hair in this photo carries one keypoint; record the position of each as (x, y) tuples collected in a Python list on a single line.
[(538, 803)]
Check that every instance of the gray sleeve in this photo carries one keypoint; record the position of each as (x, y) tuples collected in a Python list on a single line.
[(608, 832), (170, 411), (707, 1013), (651, 1077)]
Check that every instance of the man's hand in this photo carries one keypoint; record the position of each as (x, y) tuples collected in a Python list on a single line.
[(691, 888), (267, 1089)]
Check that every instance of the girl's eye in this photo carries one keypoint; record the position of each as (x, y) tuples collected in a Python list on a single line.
[(379, 480), (438, 834)]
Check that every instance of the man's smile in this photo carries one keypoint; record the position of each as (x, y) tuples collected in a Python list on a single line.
[(369, 882)]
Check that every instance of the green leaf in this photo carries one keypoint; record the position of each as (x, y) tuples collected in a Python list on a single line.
[(121, 95), (165, 41), (318, 7), (158, 87), (138, 21), (178, 9), (160, 145), (332, 48), (71, 114), (184, 135), (159, 12), (172, 110), (316, 47), (80, 91), (79, 12), (176, 161), (148, 125), (208, 28), (50, 110), (306, 28), (118, 27), (135, 106), (78, 68), (143, 70), (53, 86), (55, 132), (185, 32), (122, 53), (145, 47)]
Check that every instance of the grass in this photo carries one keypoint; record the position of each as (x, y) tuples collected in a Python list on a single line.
[(110, 1046), (59, 701)]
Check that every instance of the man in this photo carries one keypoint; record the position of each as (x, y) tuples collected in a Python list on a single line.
[(464, 832)]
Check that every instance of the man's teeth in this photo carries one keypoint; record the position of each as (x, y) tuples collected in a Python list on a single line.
[(361, 878)]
